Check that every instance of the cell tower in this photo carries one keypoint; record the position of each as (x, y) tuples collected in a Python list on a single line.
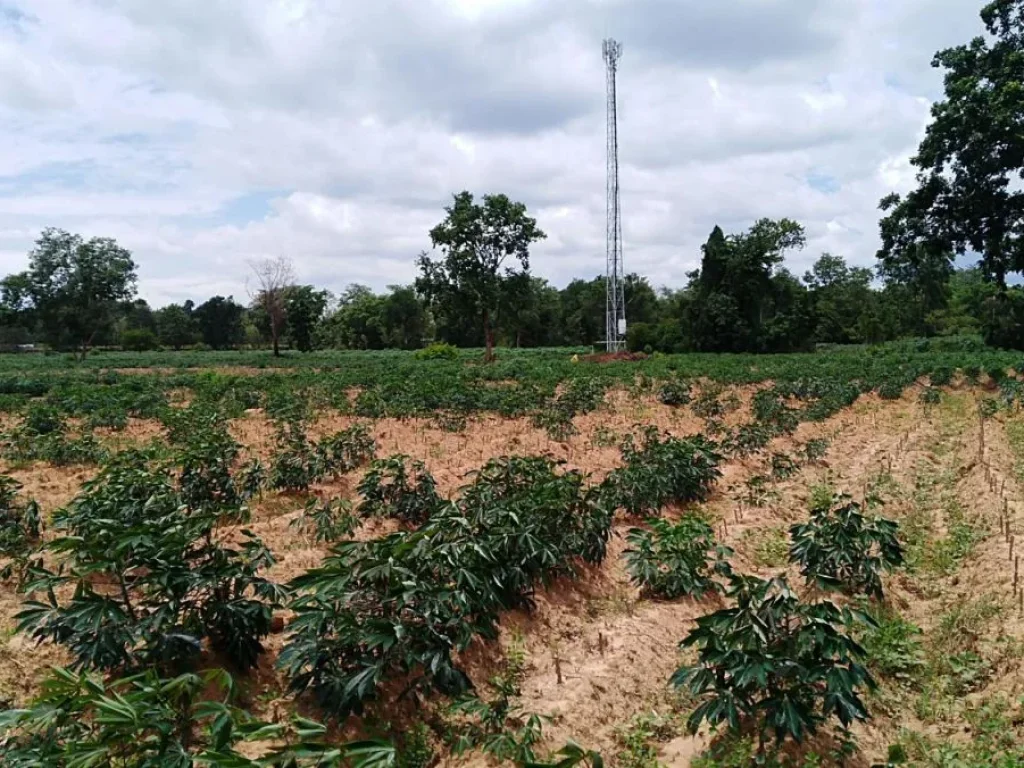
[(615, 304)]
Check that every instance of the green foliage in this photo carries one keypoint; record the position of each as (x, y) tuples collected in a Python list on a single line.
[(143, 581), (707, 404), (20, 523), (941, 376), (139, 340), (569, 756), (970, 153), (663, 470), (399, 487), (73, 287), (893, 645), (43, 435), (326, 521), (672, 560), (747, 439), (482, 244), (783, 466), (143, 720), (674, 392), (840, 548), (779, 664), (400, 605), (639, 737), (303, 310), (498, 726), (815, 450), (299, 462), (891, 389), (437, 351), (770, 547)]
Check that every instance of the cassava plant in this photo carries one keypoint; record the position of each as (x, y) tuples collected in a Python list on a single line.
[(663, 470), (775, 664), (149, 581), (19, 520), (80, 720), (670, 560), (400, 605), (399, 487), (326, 521), (841, 548)]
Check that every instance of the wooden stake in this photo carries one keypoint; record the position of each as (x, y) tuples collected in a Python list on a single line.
[(1016, 573), (1011, 546), (558, 669)]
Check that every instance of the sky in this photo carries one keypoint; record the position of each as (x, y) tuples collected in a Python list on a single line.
[(206, 134)]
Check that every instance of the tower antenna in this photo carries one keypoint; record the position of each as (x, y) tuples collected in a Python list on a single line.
[(615, 302)]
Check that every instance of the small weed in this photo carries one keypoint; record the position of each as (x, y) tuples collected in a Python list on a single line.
[(639, 737), (770, 547)]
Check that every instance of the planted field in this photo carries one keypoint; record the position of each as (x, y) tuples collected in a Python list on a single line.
[(377, 559)]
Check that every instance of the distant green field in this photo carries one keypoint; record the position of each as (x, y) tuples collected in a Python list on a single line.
[(398, 383)]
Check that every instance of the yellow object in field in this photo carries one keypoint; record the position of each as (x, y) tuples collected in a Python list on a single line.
[(575, 358)]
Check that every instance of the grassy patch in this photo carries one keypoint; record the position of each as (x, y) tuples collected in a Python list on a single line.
[(768, 547), (996, 740)]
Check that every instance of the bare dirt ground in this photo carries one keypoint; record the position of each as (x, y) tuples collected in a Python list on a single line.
[(597, 655)]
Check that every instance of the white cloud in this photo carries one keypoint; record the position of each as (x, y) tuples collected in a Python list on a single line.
[(203, 134)]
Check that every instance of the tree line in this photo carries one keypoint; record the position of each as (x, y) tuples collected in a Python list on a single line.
[(475, 287)]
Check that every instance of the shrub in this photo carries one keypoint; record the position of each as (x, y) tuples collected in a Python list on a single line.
[(19, 524), (841, 548), (674, 392), (815, 450), (399, 487), (437, 351), (707, 405), (672, 560), (891, 389), (783, 466), (139, 340), (403, 603), (747, 439), (778, 664), (299, 462), (327, 520), (149, 581), (941, 376), (663, 470)]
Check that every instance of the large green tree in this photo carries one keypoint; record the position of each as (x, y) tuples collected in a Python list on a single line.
[(741, 302), (970, 164), (73, 287), (304, 308), (220, 322), (176, 327), (840, 294), (483, 245)]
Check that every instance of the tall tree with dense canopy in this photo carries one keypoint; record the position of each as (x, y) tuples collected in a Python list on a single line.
[(738, 296), (304, 308), (176, 327), (477, 240), (73, 287), (220, 322), (970, 164)]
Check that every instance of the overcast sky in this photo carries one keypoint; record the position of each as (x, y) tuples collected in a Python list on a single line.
[(203, 134)]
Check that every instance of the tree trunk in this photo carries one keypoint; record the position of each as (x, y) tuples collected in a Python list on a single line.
[(277, 350), (488, 338)]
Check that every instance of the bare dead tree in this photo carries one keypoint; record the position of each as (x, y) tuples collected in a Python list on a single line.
[(273, 277)]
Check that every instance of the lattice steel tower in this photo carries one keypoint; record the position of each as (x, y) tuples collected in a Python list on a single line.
[(615, 305)]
